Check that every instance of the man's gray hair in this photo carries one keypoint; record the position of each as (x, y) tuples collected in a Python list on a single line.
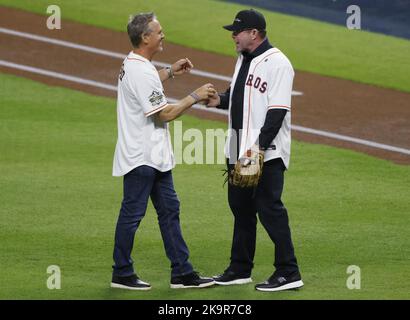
[(138, 27)]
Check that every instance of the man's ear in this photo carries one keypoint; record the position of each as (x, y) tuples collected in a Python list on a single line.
[(145, 38)]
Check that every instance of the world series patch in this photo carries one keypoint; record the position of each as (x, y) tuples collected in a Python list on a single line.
[(156, 98)]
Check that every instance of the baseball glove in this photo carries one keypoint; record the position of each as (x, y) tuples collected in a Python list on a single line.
[(247, 170)]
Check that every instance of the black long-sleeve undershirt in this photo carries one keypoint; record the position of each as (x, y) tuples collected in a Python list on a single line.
[(271, 126), (224, 97)]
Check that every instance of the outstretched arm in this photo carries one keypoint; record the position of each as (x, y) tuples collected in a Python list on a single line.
[(173, 111)]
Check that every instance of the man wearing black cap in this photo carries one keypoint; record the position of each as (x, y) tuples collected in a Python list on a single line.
[(259, 103)]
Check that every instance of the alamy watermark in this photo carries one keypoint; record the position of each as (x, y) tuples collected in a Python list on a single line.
[(355, 17), (54, 20), (354, 279), (194, 146), (54, 280)]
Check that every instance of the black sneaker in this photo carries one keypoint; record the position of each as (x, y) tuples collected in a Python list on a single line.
[(229, 277), (279, 283), (191, 280), (130, 282)]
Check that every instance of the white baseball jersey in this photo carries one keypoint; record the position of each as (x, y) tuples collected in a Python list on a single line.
[(268, 86), (142, 138)]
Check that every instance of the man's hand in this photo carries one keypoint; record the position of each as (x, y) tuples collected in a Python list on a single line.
[(251, 156), (214, 101), (181, 66), (204, 93)]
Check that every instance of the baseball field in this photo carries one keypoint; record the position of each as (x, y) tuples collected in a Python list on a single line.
[(348, 202)]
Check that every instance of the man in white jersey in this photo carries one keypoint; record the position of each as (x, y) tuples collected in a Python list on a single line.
[(259, 103), (143, 155)]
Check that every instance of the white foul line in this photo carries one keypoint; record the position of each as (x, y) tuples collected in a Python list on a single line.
[(172, 100), (57, 75), (350, 139), (111, 54)]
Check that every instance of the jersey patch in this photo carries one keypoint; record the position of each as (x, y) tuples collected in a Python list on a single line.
[(156, 98)]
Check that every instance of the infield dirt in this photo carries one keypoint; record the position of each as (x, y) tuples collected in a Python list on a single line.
[(329, 104)]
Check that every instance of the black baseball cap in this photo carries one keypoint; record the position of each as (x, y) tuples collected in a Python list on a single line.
[(247, 19)]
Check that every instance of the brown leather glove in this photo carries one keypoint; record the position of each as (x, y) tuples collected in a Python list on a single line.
[(248, 169)]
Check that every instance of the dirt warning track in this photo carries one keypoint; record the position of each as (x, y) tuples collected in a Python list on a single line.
[(328, 105)]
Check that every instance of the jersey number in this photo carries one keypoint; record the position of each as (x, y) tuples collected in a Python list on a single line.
[(122, 72), (257, 84)]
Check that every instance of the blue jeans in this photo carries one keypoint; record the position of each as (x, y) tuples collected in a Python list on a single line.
[(140, 184)]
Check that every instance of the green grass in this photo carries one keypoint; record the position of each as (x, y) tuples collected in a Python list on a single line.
[(59, 206), (311, 45)]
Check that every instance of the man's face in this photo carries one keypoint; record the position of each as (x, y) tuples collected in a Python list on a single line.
[(244, 40), (154, 39)]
